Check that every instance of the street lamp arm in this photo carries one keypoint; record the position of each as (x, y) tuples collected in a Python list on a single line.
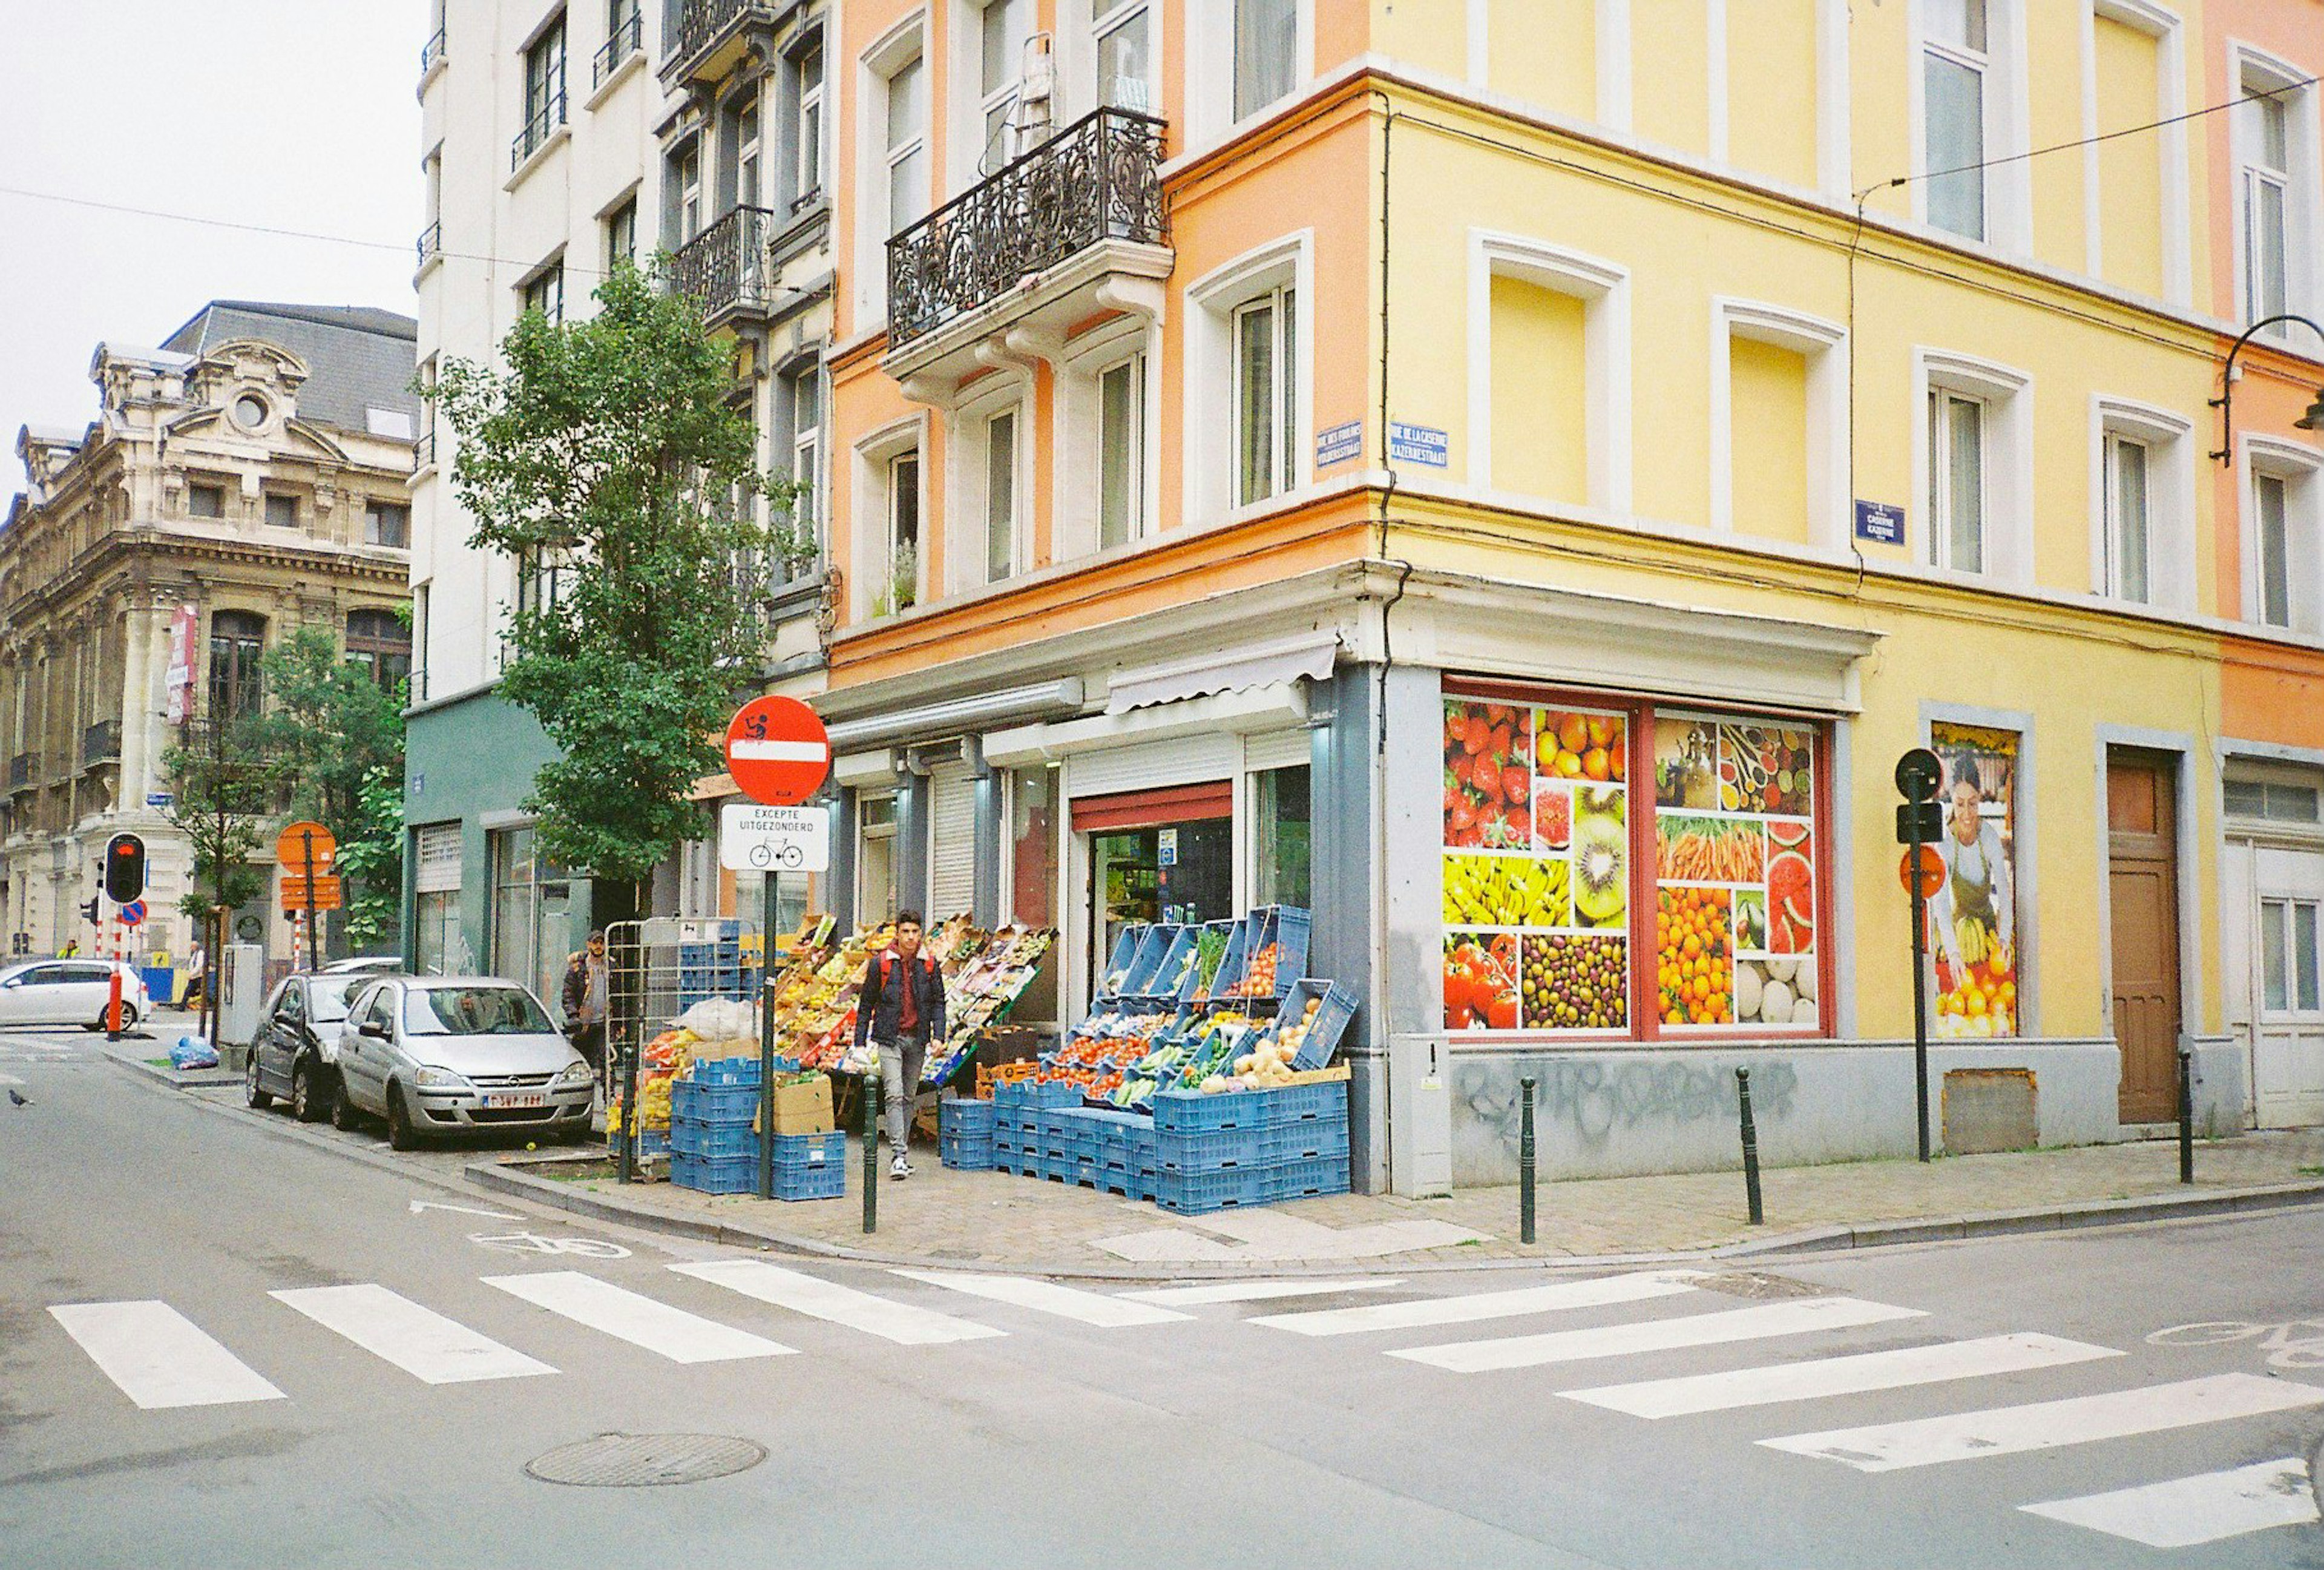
[(2226, 402)]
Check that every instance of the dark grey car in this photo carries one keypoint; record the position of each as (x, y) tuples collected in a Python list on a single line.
[(295, 1056)]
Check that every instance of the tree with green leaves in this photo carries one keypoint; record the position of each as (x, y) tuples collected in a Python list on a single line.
[(607, 461), (223, 788)]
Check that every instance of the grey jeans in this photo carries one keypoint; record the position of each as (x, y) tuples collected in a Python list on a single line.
[(900, 1080)]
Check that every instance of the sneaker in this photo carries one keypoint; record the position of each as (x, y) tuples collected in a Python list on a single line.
[(899, 1169)]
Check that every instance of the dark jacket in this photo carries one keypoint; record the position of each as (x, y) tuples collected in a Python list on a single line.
[(576, 990), (881, 1001)]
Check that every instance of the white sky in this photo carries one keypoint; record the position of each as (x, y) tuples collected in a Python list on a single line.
[(291, 114)]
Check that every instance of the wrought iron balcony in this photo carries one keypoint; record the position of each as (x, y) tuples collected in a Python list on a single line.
[(708, 42), (1097, 180), (629, 37), (20, 770), (100, 744), (431, 54), (726, 267), (431, 241), (537, 130)]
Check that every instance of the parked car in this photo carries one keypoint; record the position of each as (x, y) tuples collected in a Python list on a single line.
[(444, 1055), (367, 964), (296, 1054), (71, 992)]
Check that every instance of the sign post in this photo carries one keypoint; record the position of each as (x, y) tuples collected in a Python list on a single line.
[(1919, 820), (779, 754), (305, 850)]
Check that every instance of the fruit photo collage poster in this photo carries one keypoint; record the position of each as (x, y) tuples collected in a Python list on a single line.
[(1973, 916), (1536, 868), (1735, 872)]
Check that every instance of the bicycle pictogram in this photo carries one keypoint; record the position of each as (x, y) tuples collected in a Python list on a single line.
[(532, 1243), (2289, 1343)]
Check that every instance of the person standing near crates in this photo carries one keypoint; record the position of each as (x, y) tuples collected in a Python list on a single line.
[(585, 995), (900, 1009)]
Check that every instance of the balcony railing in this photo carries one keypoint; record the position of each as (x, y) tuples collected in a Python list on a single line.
[(537, 131), (705, 26), (423, 452), (1100, 178), (431, 53), (629, 37), (101, 743), (431, 241), (21, 769), (727, 266)]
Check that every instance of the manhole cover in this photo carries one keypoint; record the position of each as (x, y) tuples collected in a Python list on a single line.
[(646, 1460), (1759, 1284)]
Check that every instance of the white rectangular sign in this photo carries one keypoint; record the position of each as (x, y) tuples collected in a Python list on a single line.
[(778, 839)]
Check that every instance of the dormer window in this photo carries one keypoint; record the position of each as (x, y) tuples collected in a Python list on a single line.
[(250, 412)]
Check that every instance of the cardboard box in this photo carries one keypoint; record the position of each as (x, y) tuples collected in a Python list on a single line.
[(803, 1108), (732, 1046)]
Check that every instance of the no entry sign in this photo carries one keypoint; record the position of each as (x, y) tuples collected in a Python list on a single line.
[(778, 751)]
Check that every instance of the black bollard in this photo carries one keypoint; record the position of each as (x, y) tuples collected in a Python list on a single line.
[(2186, 1115), (1525, 1164), (871, 1148), (1750, 1147)]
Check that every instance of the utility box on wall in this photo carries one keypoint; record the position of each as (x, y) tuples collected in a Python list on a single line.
[(1419, 1117)]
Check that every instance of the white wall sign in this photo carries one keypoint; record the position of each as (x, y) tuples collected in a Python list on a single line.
[(774, 839)]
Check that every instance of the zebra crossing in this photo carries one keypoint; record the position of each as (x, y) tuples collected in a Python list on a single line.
[(161, 1359)]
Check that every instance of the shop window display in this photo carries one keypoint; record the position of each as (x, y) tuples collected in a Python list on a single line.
[(1973, 917), (1546, 856)]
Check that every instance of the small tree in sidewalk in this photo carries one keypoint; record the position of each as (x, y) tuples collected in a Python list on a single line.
[(223, 788), (608, 462)]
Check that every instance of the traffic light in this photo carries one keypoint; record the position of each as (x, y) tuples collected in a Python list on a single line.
[(88, 911), (125, 868)]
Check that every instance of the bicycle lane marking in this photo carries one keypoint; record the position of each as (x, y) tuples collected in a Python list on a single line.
[(532, 1243), (2289, 1343)]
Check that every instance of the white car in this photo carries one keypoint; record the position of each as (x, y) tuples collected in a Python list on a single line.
[(71, 992), (445, 1055)]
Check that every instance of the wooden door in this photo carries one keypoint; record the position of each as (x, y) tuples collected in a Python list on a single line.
[(2143, 879)]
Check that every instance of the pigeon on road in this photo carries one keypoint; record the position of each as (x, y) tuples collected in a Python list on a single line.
[(17, 1097)]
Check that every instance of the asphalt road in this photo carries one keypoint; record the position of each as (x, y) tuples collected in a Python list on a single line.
[(224, 1343)]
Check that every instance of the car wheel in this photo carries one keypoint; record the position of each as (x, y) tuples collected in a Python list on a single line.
[(344, 1116), (399, 1134), (305, 1105), (250, 1091)]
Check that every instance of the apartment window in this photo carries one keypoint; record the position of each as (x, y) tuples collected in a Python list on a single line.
[(806, 442), (546, 292), (539, 581), (378, 642), (622, 237), (237, 639), (2272, 532), (1003, 29), (1123, 57), (1266, 53), (387, 524), (1954, 69), (544, 87), (809, 173), (624, 36), (1265, 396), (901, 590), (2289, 976), (1000, 495), (204, 500), (282, 510), (2266, 198), (908, 144), (1121, 453), (1956, 480), (688, 185), (745, 134), (2273, 800), (2129, 531)]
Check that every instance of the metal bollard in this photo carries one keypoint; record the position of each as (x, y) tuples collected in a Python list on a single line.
[(872, 1150), (1525, 1163), (2186, 1115), (1750, 1147)]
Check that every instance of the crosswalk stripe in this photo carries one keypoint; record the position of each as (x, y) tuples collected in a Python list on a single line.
[(1839, 1376), (1049, 1297), (1464, 1310), (159, 1357), (1754, 1323), (419, 1340), (638, 1319), (812, 1295), (2186, 1512), (2050, 1425), (1259, 1291)]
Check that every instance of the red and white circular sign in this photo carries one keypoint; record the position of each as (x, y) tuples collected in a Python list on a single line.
[(778, 751)]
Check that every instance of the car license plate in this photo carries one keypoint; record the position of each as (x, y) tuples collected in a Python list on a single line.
[(526, 1098)]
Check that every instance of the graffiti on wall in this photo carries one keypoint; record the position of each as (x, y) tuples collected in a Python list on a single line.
[(1593, 1100)]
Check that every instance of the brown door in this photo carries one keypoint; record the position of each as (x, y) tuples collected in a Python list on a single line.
[(2143, 877)]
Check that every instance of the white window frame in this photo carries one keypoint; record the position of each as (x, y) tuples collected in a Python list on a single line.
[(968, 428), (2169, 138), (806, 452), (2008, 395), (872, 511), (1082, 35), (2171, 550), (1080, 413), (2008, 190), (976, 151), (750, 151), (1609, 407), (1209, 472), (608, 219), (2300, 467), (2250, 70), (899, 48), (1823, 345), (1278, 475), (690, 209), (547, 283), (1210, 71), (812, 149)]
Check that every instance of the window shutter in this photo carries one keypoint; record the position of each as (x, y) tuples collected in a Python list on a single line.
[(952, 841), (438, 871)]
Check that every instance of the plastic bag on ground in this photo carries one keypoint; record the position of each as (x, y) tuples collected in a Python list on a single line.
[(193, 1052)]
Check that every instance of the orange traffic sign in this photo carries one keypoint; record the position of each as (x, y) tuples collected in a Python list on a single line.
[(296, 841), (329, 894), (1932, 872)]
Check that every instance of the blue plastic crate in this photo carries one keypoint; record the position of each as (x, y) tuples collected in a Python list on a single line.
[(1304, 1141), (1209, 1149), (1144, 970), (707, 1103), (1169, 978), (1327, 1099), (690, 1138), (797, 1183), (1125, 951), (1306, 1179), (1200, 1193), (825, 1150), (964, 1116), (1335, 1009), (650, 1141), (728, 1071), (716, 1174), (1085, 1170), (967, 1155), (1191, 1112)]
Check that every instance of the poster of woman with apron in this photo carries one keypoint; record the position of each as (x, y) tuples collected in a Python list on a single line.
[(1973, 917)]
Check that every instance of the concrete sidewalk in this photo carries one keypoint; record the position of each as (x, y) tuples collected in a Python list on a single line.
[(993, 1221)]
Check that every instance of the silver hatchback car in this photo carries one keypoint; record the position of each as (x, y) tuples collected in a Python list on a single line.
[(447, 1055)]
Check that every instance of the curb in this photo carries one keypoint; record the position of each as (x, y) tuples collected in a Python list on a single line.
[(1806, 1243), (172, 1077)]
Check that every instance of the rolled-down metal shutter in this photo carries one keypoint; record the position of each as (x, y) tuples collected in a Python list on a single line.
[(952, 841), (438, 869)]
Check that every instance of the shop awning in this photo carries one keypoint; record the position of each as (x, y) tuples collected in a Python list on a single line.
[(1151, 809), (1276, 664)]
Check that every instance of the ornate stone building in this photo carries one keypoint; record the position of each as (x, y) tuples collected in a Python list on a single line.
[(255, 470)]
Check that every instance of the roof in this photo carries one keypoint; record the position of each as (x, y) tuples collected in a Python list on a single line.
[(358, 357)]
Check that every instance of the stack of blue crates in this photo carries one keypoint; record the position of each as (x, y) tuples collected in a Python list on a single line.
[(964, 1132), (1258, 1147), (712, 965), (714, 1150)]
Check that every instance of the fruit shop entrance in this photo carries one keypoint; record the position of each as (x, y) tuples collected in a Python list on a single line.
[(1157, 856)]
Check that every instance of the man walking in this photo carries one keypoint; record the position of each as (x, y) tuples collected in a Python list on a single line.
[(901, 1008), (584, 998)]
